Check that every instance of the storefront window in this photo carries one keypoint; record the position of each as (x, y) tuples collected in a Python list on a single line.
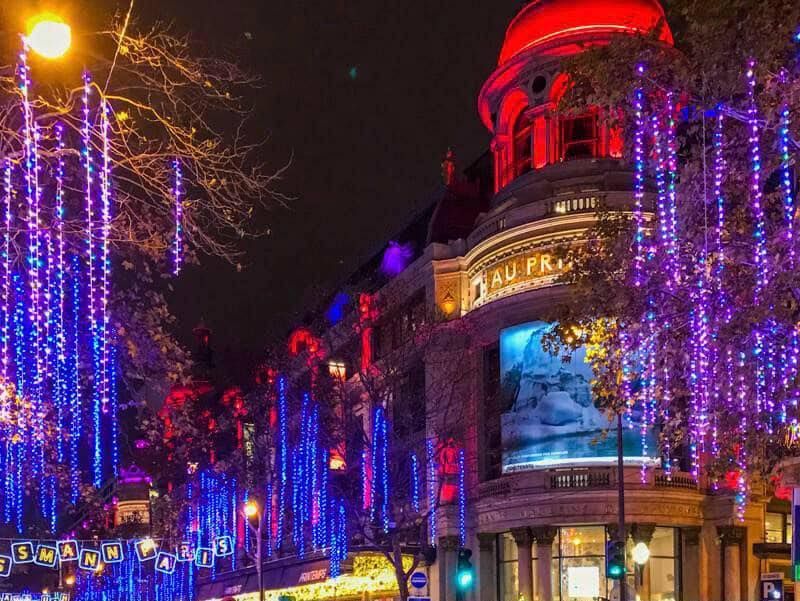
[(579, 564), (508, 572), (662, 565), (578, 567), (508, 568)]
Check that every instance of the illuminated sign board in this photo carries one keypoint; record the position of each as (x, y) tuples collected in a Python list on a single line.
[(514, 271), (528, 266), (549, 416)]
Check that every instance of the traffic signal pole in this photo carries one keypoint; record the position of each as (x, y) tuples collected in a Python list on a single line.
[(621, 499)]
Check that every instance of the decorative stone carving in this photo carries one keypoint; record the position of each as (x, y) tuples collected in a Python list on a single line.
[(731, 535), (544, 535), (522, 536), (486, 541), (449, 543), (643, 533), (613, 530)]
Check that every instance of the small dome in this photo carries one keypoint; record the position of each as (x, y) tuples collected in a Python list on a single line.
[(544, 21)]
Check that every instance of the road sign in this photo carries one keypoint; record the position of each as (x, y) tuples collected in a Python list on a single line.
[(419, 599), (418, 580), (772, 587)]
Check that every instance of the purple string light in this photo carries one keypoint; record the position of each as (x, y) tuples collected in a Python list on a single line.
[(786, 173), (638, 185), (177, 193), (756, 194), (105, 261), (7, 222)]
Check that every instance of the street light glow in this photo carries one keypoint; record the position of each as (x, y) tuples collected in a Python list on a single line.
[(641, 553), (251, 509), (49, 36)]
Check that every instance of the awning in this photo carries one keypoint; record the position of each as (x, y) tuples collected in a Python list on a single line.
[(307, 580)]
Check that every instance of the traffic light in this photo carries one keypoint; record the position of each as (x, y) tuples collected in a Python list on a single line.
[(465, 573), (615, 560)]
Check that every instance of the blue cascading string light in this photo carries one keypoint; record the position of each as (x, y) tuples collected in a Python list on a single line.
[(55, 311), (414, 479), (462, 498), (283, 458), (380, 469), (433, 490), (132, 580)]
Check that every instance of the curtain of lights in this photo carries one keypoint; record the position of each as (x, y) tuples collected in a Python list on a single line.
[(133, 579), (55, 311), (741, 384)]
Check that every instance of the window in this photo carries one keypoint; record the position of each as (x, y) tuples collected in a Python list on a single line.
[(523, 144), (663, 565), (508, 572), (579, 137), (579, 563), (508, 568), (578, 566), (408, 411), (777, 527), (492, 440), (399, 327)]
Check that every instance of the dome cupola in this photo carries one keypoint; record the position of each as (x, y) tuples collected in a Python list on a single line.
[(550, 23), (518, 101)]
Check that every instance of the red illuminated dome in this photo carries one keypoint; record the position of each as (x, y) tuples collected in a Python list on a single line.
[(544, 21)]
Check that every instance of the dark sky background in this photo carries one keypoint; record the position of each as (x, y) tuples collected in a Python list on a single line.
[(364, 98)]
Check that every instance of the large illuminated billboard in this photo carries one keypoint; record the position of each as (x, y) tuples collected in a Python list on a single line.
[(549, 417)]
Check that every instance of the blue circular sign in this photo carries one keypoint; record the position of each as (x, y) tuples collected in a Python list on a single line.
[(419, 580)]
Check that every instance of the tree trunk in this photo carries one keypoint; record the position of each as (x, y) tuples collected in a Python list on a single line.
[(400, 573)]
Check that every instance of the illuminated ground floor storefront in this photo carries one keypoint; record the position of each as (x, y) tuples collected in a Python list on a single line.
[(573, 558), (365, 577), (541, 536)]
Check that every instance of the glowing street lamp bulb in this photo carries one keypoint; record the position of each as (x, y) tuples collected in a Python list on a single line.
[(49, 37), (641, 553), (251, 509)]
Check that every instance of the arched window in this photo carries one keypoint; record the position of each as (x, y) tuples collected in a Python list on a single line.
[(523, 144), (580, 137)]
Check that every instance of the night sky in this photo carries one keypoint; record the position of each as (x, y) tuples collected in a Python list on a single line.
[(364, 98)]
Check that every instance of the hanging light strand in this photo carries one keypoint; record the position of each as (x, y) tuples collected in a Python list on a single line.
[(638, 186), (177, 195)]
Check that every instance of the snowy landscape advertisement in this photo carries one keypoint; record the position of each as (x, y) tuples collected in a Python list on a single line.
[(549, 417)]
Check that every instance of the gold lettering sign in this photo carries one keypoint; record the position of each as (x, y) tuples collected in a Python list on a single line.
[(527, 266)]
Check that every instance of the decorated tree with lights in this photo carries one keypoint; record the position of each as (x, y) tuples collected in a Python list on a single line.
[(690, 305), (404, 429), (108, 187), (358, 454)]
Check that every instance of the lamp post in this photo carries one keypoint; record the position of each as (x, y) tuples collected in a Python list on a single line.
[(621, 500), (252, 510)]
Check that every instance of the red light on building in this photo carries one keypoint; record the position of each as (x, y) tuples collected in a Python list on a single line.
[(546, 22)]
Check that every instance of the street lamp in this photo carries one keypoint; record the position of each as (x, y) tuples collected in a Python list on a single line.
[(640, 553), (48, 36), (253, 513)]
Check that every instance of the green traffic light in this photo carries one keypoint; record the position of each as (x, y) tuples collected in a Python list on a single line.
[(614, 571), (465, 578)]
